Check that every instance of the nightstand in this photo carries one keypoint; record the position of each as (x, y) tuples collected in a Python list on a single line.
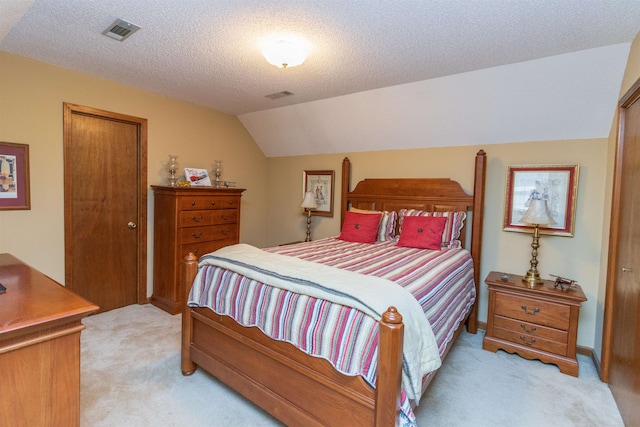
[(537, 323)]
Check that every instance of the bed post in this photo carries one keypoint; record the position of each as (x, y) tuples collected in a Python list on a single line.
[(476, 232), (189, 268), (346, 177), (388, 384)]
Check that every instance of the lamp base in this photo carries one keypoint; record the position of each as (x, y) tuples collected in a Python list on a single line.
[(532, 278)]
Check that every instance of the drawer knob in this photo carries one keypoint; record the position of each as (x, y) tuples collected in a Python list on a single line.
[(225, 231), (196, 219), (530, 331), (535, 310), (525, 342), (193, 203), (225, 217), (197, 235), (213, 203)]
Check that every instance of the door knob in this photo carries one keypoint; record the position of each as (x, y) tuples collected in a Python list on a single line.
[(626, 270), (132, 225)]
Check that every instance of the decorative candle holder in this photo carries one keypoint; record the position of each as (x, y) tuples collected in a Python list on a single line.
[(217, 172), (173, 168)]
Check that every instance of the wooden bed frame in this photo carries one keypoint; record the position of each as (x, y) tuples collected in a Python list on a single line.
[(299, 389)]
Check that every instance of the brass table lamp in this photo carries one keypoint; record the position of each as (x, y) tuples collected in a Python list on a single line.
[(537, 214), (308, 204)]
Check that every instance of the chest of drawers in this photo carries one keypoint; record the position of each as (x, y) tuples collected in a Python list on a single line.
[(536, 323), (189, 219)]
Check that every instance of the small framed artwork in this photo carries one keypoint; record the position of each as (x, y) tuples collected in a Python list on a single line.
[(197, 177), (557, 184), (321, 184), (14, 176)]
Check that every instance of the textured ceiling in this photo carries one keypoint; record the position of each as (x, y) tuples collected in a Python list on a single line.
[(208, 51)]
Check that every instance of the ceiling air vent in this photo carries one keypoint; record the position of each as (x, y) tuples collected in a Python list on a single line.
[(279, 94), (120, 30)]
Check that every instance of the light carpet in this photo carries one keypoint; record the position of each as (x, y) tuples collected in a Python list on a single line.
[(130, 376)]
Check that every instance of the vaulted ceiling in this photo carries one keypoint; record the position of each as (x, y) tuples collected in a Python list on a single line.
[(209, 51)]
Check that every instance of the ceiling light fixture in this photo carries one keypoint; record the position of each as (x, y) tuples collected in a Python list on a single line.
[(285, 53)]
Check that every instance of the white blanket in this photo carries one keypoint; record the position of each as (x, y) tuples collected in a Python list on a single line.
[(371, 295)]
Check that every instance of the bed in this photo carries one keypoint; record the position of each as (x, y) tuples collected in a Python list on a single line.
[(302, 389)]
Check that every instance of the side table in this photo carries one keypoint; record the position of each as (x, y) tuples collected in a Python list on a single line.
[(536, 323)]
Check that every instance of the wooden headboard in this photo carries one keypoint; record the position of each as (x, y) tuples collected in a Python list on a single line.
[(429, 194)]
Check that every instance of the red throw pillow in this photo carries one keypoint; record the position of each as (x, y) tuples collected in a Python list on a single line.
[(424, 232), (360, 227)]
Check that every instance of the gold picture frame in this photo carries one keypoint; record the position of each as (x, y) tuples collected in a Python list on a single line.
[(558, 184)]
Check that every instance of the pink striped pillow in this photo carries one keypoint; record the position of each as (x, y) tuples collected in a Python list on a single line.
[(452, 227)]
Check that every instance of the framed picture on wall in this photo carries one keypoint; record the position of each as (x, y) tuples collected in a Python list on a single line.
[(14, 176), (557, 184), (321, 184)]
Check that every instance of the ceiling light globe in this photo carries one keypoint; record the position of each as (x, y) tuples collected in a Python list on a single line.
[(284, 54)]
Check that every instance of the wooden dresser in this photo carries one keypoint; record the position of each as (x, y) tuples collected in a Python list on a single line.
[(537, 323), (40, 324), (189, 219)]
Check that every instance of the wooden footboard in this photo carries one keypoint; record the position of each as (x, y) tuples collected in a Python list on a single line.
[(294, 387)]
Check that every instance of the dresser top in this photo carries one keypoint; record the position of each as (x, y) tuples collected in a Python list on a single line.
[(196, 190), (33, 299)]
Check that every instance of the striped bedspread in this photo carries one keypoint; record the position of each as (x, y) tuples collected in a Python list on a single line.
[(441, 281)]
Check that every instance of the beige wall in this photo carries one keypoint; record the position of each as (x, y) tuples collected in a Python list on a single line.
[(577, 258), (31, 98), (631, 75)]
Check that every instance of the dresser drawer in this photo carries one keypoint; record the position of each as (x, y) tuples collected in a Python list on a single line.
[(228, 203), (194, 202), (530, 329), (199, 249), (209, 202), (555, 347), (532, 310), (225, 216), (208, 233), (195, 218)]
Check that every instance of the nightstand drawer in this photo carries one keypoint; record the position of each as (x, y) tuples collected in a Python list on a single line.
[(531, 329), (559, 348), (533, 310)]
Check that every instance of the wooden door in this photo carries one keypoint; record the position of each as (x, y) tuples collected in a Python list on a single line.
[(105, 206), (621, 339)]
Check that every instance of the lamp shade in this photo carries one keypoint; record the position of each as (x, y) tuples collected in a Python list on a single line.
[(284, 53), (309, 201), (538, 213)]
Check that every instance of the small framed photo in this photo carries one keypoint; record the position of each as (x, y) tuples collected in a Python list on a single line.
[(14, 176), (557, 184), (321, 184), (197, 177)]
